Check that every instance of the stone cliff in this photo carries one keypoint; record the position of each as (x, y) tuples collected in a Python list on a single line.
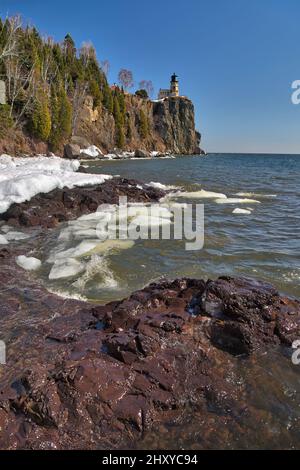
[(170, 126)]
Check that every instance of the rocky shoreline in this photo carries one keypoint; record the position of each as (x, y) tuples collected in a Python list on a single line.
[(177, 355)]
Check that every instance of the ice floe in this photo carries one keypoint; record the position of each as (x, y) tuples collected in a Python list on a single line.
[(235, 200), (158, 185), (66, 267), (241, 211), (82, 252), (3, 240), (15, 236), (23, 178), (28, 263), (202, 194)]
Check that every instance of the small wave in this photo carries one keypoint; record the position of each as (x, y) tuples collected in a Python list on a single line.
[(67, 295), (292, 276)]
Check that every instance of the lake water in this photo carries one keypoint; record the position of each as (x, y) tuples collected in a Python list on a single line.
[(264, 244)]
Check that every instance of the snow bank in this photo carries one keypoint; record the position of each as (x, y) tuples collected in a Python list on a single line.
[(29, 264), (23, 178), (92, 151)]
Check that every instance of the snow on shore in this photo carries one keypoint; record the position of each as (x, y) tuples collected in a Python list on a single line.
[(23, 178)]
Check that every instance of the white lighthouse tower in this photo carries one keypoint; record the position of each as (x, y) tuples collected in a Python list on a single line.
[(174, 89)]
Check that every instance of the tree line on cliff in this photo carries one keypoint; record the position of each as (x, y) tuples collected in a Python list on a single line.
[(47, 84)]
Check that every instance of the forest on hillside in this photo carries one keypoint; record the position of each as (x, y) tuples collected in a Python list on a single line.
[(47, 83)]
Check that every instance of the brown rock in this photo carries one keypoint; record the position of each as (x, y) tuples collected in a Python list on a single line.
[(71, 151)]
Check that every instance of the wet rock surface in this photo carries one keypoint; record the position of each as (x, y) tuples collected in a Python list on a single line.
[(176, 357), (49, 209), (180, 364)]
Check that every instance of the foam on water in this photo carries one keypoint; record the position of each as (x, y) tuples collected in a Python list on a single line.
[(97, 266)]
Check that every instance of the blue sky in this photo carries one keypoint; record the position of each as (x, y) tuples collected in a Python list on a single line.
[(236, 59)]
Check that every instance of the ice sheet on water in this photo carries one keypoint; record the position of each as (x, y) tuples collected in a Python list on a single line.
[(202, 194), (66, 267)]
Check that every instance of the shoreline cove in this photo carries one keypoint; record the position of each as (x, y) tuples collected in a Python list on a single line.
[(184, 357)]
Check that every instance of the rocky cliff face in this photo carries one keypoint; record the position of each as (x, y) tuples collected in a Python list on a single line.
[(174, 122), (170, 128), (170, 123)]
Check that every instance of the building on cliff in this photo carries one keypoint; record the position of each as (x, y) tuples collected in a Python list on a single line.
[(173, 91)]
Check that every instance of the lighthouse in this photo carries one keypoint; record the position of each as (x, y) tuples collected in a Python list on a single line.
[(174, 89)]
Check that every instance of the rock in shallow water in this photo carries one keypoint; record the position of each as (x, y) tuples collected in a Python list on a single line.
[(170, 349)]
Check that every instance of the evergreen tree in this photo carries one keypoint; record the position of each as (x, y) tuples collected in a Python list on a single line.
[(117, 113), (61, 117), (96, 93), (41, 118), (144, 127), (108, 102), (120, 139)]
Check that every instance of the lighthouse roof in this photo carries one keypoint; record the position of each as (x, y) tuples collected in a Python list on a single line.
[(174, 77)]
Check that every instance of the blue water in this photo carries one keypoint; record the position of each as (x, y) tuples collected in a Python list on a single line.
[(265, 244)]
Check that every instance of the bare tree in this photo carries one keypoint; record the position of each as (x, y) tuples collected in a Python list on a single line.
[(80, 94), (105, 65), (48, 67), (10, 47), (148, 86), (87, 52), (126, 78), (20, 86)]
